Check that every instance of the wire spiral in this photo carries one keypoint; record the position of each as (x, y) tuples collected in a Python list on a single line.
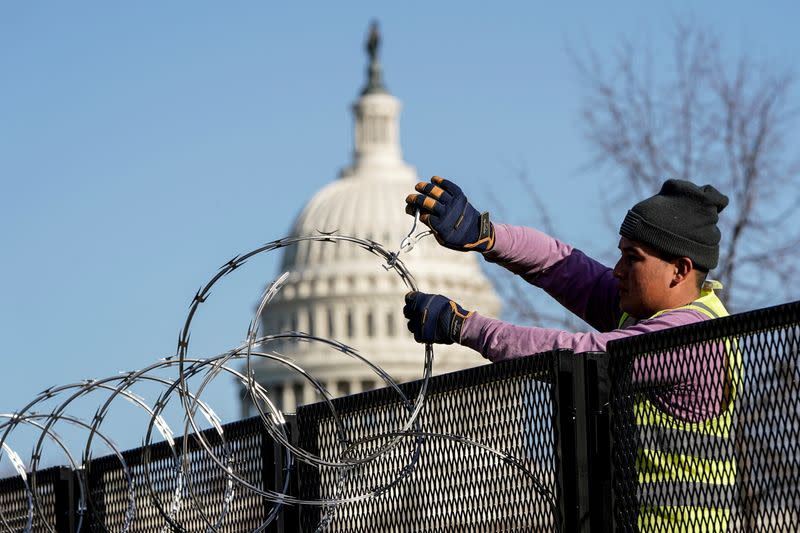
[(257, 344)]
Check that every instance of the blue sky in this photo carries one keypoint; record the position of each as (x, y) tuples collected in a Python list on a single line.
[(144, 144)]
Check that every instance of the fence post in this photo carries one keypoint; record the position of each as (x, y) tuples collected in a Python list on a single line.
[(290, 515), (573, 449), (273, 475), (65, 504), (582, 396), (598, 435)]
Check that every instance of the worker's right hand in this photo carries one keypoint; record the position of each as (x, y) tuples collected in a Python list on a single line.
[(455, 223)]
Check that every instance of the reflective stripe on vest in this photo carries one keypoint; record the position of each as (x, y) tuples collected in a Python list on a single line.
[(679, 441), (682, 464), (690, 495)]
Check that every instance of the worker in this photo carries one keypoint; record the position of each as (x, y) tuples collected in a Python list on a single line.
[(668, 243)]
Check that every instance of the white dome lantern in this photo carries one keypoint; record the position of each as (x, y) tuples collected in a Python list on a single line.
[(341, 291)]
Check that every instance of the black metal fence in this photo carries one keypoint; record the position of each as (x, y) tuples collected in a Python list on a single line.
[(190, 492), (54, 506), (705, 425), (691, 429), (441, 477)]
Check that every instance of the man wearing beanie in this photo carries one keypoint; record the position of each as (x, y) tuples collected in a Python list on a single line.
[(668, 243)]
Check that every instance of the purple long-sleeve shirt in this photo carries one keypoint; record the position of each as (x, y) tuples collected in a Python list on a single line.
[(589, 289)]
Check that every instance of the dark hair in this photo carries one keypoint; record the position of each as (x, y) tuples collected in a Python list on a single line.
[(702, 274), (701, 277)]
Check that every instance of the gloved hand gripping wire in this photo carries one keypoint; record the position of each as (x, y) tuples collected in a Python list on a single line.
[(408, 243)]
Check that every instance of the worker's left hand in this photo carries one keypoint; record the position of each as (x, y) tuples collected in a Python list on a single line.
[(434, 318), (444, 208)]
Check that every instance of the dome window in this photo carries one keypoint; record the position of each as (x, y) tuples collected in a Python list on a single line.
[(311, 322), (297, 388), (331, 329), (390, 324), (370, 324), (277, 396), (350, 324)]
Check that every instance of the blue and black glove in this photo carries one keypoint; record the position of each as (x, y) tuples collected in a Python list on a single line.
[(434, 318), (455, 223)]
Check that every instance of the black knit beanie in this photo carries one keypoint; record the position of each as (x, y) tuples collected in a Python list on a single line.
[(681, 221)]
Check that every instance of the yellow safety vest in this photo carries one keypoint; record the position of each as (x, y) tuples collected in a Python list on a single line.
[(687, 470)]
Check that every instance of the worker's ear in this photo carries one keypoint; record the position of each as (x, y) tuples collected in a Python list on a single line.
[(683, 269)]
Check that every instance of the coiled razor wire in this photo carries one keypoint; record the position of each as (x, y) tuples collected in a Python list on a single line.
[(346, 461)]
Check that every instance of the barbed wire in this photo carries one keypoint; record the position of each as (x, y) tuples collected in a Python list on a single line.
[(345, 462)]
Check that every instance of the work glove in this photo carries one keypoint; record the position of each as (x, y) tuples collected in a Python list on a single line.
[(433, 318), (455, 223)]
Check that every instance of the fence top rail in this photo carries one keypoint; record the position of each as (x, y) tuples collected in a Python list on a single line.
[(748, 323), (160, 449), (45, 476), (542, 365)]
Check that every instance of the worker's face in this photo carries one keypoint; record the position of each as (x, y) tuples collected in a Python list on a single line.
[(644, 279)]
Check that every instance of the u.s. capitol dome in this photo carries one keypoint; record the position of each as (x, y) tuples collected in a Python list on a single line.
[(340, 291)]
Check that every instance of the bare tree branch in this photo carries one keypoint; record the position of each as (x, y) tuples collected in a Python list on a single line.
[(522, 302), (699, 116), (701, 119)]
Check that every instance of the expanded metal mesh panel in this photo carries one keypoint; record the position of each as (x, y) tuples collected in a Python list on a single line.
[(15, 501), (202, 492), (706, 425), (431, 482)]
